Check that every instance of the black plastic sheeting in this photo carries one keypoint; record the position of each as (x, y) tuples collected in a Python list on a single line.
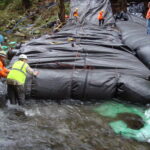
[(98, 67), (135, 36)]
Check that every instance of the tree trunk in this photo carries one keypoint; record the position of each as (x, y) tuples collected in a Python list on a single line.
[(61, 12), (26, 4)]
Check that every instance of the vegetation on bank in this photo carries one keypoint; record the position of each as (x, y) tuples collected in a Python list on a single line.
[(22, 22)]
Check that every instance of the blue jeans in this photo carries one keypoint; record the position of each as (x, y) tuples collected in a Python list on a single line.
[(148, 26)]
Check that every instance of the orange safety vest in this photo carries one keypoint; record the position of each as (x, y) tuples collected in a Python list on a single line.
[(75, 14), (148, 14), (3, 71), (100, 16)]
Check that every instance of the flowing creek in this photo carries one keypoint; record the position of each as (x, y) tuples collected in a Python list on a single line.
[(65, 126)]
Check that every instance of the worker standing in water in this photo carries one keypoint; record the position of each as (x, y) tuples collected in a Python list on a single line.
[(16, 80), (148, 19), (101, 17), (3, 74), (3, 70), (76, 14)]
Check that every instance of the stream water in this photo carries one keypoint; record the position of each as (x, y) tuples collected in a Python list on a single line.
[(70, 125)]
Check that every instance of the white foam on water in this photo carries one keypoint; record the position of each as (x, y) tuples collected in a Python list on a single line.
[(147, 115), (148, 140), (27, 112), (14, 106), (32, 112)]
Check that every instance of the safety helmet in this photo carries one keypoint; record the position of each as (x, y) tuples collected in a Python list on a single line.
[(2, 53), (23, 56), (77, 8)]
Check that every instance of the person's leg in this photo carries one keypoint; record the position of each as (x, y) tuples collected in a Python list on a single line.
[(11, 93), (20, 94), (102, 22), (148, 26), (72, 43), (99, 22), (77, 20)]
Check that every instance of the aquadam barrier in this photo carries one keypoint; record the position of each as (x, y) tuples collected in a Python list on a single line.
[(95, 65)]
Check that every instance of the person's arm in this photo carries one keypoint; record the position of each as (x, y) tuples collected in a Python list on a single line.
[(6, 70), (31, 71), (74, 14), (148, 14), (3, 71), (3, 74)]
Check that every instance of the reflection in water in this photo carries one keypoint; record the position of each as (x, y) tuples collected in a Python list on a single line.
[(53, 126)]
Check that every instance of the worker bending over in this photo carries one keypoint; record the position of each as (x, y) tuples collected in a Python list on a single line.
[(101, 17), (3, 70), (16, 80), (76, 14)]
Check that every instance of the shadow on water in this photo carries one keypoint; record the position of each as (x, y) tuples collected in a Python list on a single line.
[(69, 125)]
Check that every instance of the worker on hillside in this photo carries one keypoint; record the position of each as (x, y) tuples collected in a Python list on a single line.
[(16, 80), (148, 19), (76, 14), (72, 41), (101, 17), (3, 70), (1, 39)]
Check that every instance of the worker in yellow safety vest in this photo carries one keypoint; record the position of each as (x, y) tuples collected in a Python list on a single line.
[(16, 80)]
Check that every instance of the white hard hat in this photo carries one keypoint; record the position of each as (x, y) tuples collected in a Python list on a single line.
[(2, 53), (23, 56)]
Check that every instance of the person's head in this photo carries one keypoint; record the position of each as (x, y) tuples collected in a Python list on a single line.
[(58, 20), (2, 56), (76, 9), (148, 4), (5, 39), (101, 11), (23, 57)]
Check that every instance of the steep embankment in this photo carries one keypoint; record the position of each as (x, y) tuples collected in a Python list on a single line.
[(19, 23)]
